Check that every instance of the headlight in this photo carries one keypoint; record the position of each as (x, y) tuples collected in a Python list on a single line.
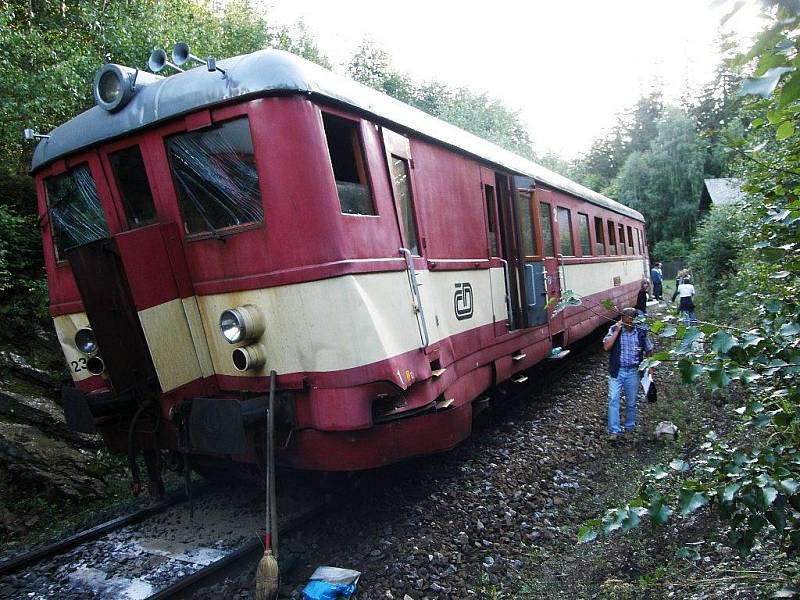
[(85, 341), (113, 86), (249, 357), (241, 323)]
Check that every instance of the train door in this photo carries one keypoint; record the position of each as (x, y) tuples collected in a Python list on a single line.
[(552, 274), (497, 185), (398, 159), (140, 272), (529, 240)]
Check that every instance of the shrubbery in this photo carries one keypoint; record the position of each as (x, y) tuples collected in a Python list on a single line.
[(23, 290)]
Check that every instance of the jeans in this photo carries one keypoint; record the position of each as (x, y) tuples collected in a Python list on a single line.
[(689, 318), (628, 380)]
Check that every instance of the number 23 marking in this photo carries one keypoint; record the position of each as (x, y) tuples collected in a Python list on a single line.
[(79, 365)]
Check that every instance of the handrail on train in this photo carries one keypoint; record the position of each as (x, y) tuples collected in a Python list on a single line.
[(416, 299)]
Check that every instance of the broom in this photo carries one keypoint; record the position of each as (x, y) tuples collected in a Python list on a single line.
[(267, 573)]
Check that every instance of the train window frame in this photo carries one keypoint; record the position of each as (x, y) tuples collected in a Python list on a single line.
[(549, 222), (492, 222), (611, 228), (568, 229), (525, 197), (630, 240), (360, 161), (599, 242), (228, 230), (406, 212), (118, 194), (621, 249), (67, 168), (583, 218), (638, 242)]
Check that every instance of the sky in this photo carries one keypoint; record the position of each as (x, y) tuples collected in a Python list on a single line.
[(569, 67)]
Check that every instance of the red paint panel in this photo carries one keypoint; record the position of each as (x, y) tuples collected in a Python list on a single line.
[(147, 266), (450, 203), (380, 445)]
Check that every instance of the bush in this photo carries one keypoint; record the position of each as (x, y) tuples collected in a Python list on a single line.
[(23, 289), (717, 245), (670, 249)]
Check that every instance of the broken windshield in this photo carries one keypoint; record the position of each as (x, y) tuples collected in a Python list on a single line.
[(216, 178), (75, 214)]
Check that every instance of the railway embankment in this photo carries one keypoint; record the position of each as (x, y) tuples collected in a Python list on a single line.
[(52, 480), (498, 516)]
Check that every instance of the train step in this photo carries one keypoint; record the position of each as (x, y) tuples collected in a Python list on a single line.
[(442, 404), (559, 355), (518, 357), (519, 378)]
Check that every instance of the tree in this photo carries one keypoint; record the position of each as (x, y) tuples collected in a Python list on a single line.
[(664, 182)]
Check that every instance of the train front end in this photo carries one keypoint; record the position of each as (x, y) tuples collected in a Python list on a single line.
[(192, 249)]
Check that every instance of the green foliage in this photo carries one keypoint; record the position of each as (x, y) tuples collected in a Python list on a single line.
[(664, 181), (23, 292), (716, 248), (670, 249), (750, 256)]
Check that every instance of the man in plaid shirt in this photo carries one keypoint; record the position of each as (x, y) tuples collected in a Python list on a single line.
[(628, 345)]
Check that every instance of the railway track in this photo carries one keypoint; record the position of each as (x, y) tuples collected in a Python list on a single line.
[(157, 553), (139, 557)]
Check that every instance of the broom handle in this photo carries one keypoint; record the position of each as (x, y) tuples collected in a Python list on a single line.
[(272, 510)]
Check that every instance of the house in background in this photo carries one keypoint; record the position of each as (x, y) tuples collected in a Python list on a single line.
[(721, 191)]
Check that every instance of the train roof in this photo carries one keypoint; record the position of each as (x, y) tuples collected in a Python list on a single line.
[(270, 72)]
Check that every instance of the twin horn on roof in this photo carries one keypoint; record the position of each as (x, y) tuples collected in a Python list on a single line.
[(180, 54)]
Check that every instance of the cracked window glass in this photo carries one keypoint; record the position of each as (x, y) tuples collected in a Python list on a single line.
[(216, 178), (76, 217)]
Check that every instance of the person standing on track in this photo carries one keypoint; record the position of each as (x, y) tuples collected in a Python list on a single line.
[(628, 345), (658, 281)]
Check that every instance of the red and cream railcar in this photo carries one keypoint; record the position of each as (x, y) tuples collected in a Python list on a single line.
[(203, 230)]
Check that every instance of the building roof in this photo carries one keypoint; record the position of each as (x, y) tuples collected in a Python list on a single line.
[(726, 190), (275, 72)]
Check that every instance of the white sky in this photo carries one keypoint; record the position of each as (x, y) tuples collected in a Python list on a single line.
[(569, 66)]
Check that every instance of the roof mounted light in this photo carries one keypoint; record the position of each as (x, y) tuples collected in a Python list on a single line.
[(114, 86)]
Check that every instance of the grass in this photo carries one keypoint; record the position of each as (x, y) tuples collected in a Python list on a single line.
[(642, 563)]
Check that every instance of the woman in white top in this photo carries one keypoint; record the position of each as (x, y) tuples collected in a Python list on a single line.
[(686, 307)]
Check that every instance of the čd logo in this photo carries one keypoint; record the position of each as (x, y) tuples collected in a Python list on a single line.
[(462, 301)]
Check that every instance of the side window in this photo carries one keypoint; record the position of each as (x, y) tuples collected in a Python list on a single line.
[(599, 238), (638, 242), (526, 223), (134, 189), (565, 231), (215, 177), (76, 216), (612, 239), (630, 239), (490, 215), (583, 228), (621, 238), (402, 189), (349, 167), (547, 228)]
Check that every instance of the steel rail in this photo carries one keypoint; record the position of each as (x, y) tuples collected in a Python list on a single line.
[(247, 552), (22, 560)]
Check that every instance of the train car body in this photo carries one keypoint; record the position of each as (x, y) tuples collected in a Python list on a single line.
[(389, 267)]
